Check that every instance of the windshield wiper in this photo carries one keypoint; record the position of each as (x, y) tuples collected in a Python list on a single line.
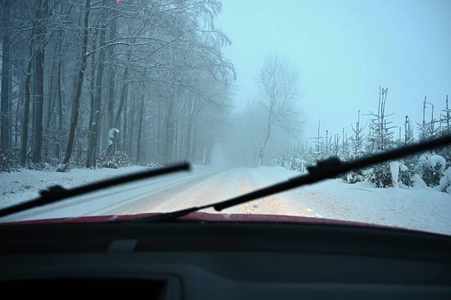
[(58, 193), (325, 169)]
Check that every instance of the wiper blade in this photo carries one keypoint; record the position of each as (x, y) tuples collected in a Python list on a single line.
[(325, 169), (58, 193)]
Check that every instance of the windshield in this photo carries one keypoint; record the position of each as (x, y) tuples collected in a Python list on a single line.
[(250, 93)]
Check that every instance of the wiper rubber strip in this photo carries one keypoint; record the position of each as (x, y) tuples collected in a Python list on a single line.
[(57, 193)]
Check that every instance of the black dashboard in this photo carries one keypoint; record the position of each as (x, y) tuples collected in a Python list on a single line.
[(211, 260)]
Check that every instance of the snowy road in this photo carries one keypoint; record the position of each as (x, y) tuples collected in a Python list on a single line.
[(416, 208), (168, 193)]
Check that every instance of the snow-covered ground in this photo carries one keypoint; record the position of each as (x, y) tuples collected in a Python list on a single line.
[(415, 208)]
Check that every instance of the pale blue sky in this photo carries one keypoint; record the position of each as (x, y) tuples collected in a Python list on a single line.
[(344, 51)]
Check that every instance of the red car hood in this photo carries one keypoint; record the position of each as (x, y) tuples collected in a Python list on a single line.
[(212, 217)]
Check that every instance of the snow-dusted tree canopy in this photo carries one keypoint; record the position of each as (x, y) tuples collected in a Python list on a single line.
[(153, 70)]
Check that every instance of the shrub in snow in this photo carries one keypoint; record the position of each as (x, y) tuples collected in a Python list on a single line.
[(287, 163), (9, 160), (446, 153), (392, 174), (432, 176), (151, 165), (296, 164), (354, 176), (116, 160), (39, 166), (445, 181), (290, 163), (406, 174), (276, 162), (381, 175), (62, 167), (431, 168)]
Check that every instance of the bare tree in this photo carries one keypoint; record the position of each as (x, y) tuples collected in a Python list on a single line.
[(445, 119), (279, 94), (381, 134), (427, 130), (408, 131)]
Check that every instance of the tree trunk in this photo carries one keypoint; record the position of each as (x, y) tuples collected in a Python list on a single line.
[(159, 146), (95, 113), (60, 99), (26, 115), (109, 119), (123, 96), (141, 116), (191, 117), (5, 131), (26, 111), (169, 126), (262, 148), (131, 125), (76, 103), (50, 117), (39, 81)]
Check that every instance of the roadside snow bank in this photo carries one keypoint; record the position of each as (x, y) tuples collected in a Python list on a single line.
[(420, 207)]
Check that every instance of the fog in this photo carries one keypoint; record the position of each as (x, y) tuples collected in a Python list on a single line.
[(238, 83), (345, 50)]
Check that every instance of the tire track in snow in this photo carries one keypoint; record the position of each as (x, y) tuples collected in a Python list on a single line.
[(142, 202), (122, 196), (277, 204)]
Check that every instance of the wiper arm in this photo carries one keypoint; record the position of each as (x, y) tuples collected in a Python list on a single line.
[(58, 193), (325, 169)]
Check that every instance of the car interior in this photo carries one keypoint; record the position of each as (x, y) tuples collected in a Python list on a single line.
[(198, 259)]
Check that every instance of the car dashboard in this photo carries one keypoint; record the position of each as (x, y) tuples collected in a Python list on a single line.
[(223, 260)]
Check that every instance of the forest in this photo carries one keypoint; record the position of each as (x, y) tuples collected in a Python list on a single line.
[(102, 83)]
